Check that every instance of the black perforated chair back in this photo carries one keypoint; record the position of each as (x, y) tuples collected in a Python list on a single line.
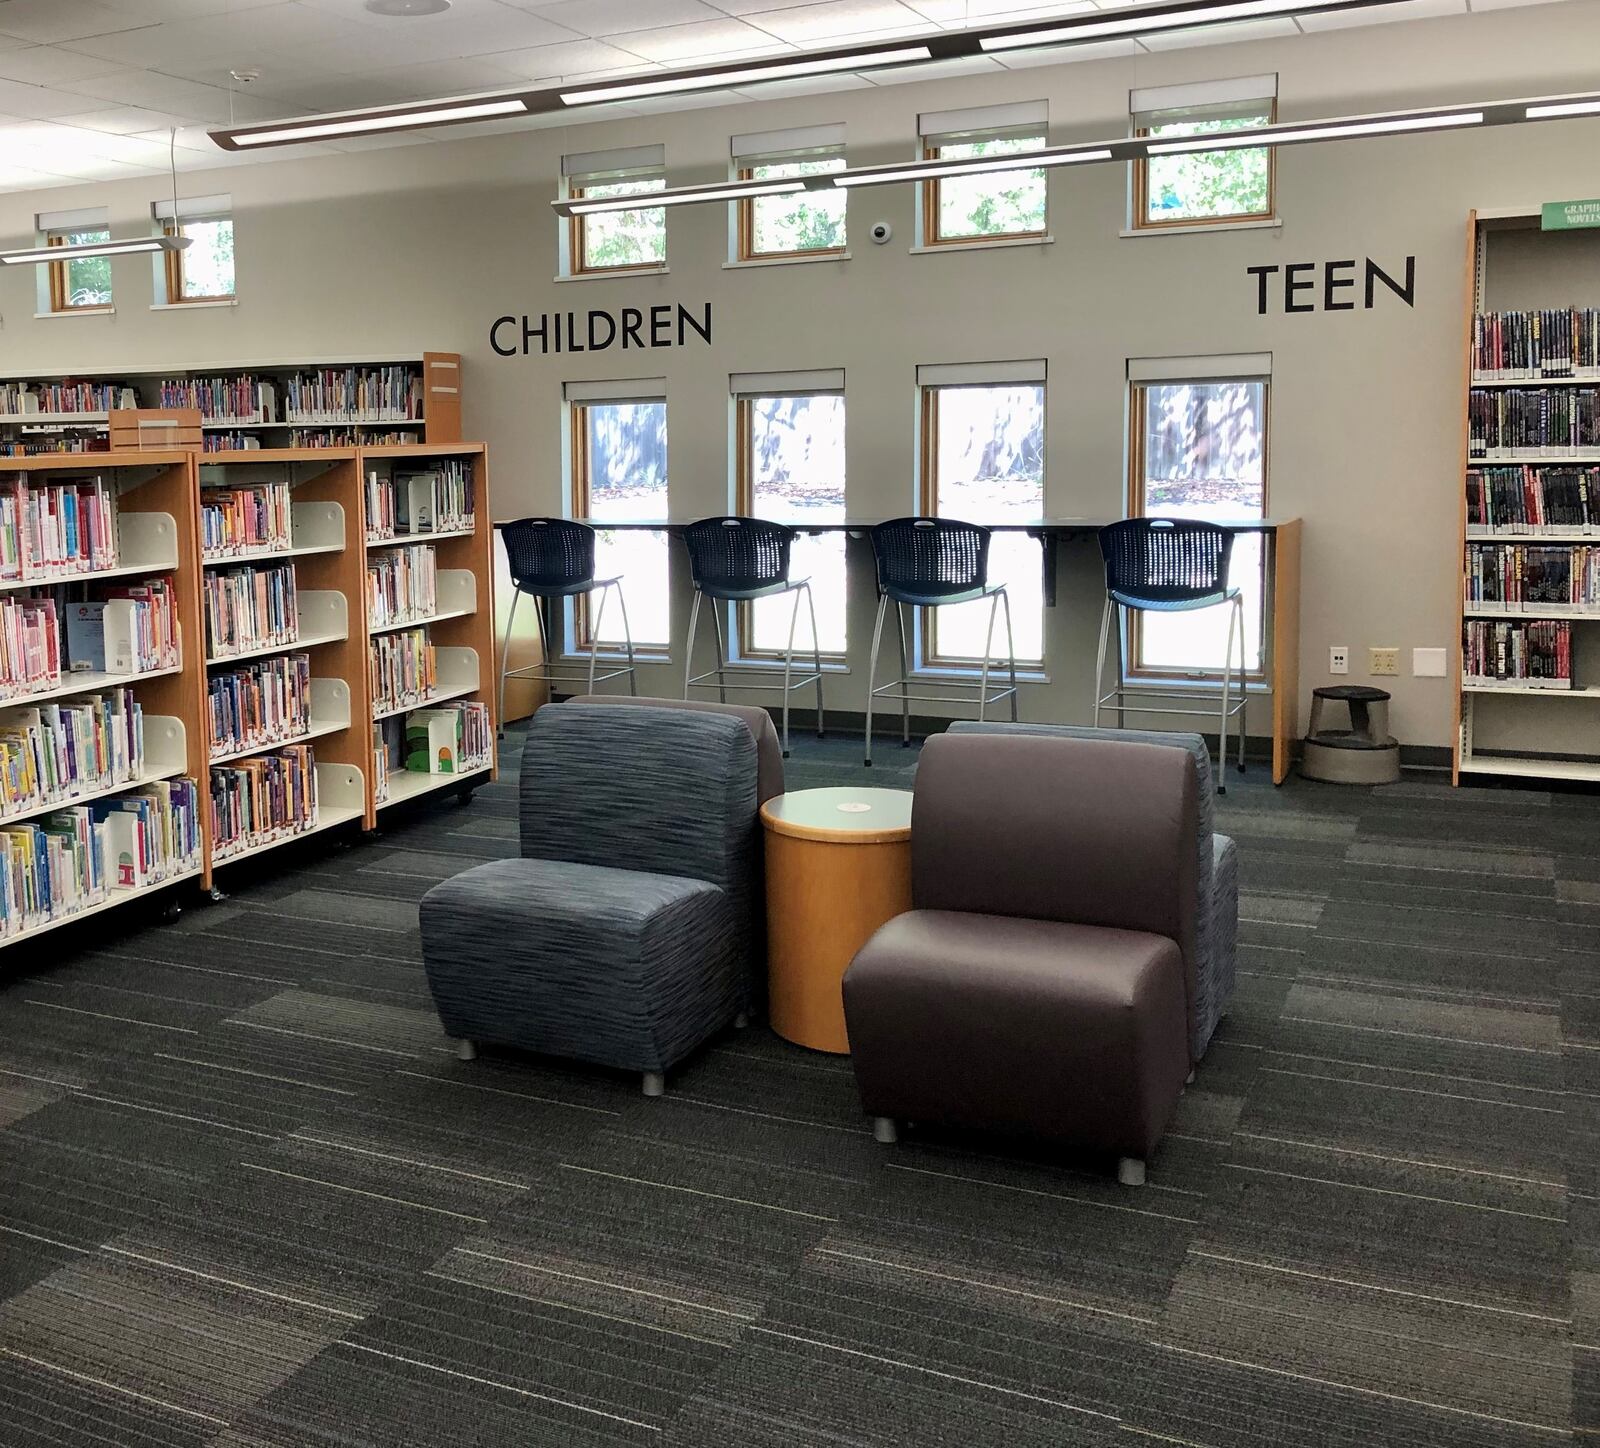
[(1166, 563), (549, 554), (931, 560), (734, 557)]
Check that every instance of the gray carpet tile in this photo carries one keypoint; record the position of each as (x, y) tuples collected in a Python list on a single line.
[(250, 1198)]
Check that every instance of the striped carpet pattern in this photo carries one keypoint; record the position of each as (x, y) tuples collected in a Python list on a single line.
[(250, 1199)]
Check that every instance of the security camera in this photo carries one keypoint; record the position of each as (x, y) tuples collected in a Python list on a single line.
[(881, 232)]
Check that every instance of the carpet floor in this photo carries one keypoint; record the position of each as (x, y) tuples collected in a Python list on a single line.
[(250, 1199)]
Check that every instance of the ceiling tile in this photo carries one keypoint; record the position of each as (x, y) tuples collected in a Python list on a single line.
[(150, 12), (576, 57), (1065, 54), (38, 102), (614, 17), (468, 27), (119, 120), (1379, 15), (837, 21), (700, 43), (46, 21), (168, 94), (968, 14), (50, 65), (1236, 33)]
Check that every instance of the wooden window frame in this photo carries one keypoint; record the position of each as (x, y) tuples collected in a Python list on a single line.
[(744, 503), (1138, 415), (172, 264), (928, 505), (745, 210), (60, 297), (579, 498), (577, 248), (1141, 190), (931, 236)]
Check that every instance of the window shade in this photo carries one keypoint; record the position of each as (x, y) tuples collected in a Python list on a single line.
[(1214, 367), (979, 374), (629, 389), (607, 163), (776, 384), (1017, 116), (85, 218), (1213, 99), (782, 143), (194, 207)]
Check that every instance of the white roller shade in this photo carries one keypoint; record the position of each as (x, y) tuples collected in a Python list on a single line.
[(979, 374), (604, 163), (777, 384), (1203, 93), (192, 207), (85, 218), (1033, 115), (782, 143), (629, 389), (1214, 367)]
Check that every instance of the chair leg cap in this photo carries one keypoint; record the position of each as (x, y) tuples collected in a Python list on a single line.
[(655, 1083), (466, 1051), (1130, 1171), (883, 1129)]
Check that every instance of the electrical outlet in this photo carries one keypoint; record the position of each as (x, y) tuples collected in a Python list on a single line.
[(1383, 661), (1339, 658)]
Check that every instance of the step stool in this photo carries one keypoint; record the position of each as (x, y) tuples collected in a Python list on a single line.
[(1362, 754)]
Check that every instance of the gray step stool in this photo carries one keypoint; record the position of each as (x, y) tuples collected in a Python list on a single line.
[(1365, 753)]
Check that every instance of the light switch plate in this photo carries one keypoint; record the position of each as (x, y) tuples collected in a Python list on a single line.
[(1427, 663)]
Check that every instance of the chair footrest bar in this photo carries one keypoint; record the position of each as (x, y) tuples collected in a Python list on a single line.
[(737, 680)]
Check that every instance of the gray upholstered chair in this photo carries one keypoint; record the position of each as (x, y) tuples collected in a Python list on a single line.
[(1039, 985), (624, 935), (1216, 876)]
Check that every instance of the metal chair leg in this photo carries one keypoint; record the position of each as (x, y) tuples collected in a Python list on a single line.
[(722, 651), (872, 671), (788, 667), (905, 675), (688, 644), (505, 658), (1222, 733), (1122, 680), (988, 645), (816, 652), (1244, 697), (1100, 660), (1011, 652), (594, 633), (627, 639)]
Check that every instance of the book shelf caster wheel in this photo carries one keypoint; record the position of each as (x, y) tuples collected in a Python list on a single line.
[(216, 895), (171, 912), (464, 794)]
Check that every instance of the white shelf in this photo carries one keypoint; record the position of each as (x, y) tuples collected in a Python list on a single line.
[(87, 683), (406, 539), (1554, 613), (341, 798), (146, 543), (117, 897), (233, 424), (456, 594), (323, 618), (1577, 539), (99, 420), (330, 713), (166, 756), (313, 528), (1532, 768), (458, 677), (1538, 382), (405, 784), (1538, 459), (268, 555), (1552, 691)]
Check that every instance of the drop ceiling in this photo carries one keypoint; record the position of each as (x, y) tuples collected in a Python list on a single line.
[(90, 90)]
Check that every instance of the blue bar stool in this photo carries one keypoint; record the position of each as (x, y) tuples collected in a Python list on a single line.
[(1169, 565), (924, 563), (739, 560), (552, 559)]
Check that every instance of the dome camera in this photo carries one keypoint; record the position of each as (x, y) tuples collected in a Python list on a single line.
[(881, 232)]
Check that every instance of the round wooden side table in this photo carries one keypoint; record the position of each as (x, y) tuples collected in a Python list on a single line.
[(838, 866)]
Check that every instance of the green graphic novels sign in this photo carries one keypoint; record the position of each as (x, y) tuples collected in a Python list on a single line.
[(1568, 215)]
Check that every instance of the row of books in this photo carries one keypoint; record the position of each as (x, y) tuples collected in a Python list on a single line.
[(428, 501), (263, 799), (353, 394), (402, 585), (1554, 342), (1532, 576), (242, 518), (20, 399), (1523, 499), (268, 702), (250, 608), (56, 867), (451, 738), (55, 529), (126, 630), (230, 442), (348, 437), (244, 397), (59, 752), (405, 669), (1537, 420), (51, 444), (1536, 655)]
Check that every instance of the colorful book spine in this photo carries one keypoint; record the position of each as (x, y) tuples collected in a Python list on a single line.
[(56, 529), (250, 608), (244, 519), (262, 800), (402, 585), (268, 702), (404, 669), (1528, 655)]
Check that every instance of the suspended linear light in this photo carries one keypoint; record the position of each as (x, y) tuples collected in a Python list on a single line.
[(1557, 110), (1136, 23), (365, 123), (747, 75), (1332, 131), (678, 196), (35, 255), (980, 166)]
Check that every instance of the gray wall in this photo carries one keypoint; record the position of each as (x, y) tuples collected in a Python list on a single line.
[(406, 248)]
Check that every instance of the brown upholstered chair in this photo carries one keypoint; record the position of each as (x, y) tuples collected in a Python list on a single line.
[(1040, 985)]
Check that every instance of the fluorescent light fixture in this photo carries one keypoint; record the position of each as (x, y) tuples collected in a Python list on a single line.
[(746, 75), (1134, 23), (978, 166), (363, 123), (1556, 110), (1287, 135), (38, 255), (683, 196)]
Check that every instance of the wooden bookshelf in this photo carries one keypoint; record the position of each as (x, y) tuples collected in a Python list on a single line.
[(1512, 729)]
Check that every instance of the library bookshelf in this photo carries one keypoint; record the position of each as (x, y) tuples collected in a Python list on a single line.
[(162, 534), (1529, 443), (238, 406)]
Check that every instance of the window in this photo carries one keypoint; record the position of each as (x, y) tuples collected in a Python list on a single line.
[(84, 283), (203, 272), (983, 462), (619, 475), (1199, 450), (789, 431), (616, 241), (804, 223), (990, 204), (1203, 187)]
